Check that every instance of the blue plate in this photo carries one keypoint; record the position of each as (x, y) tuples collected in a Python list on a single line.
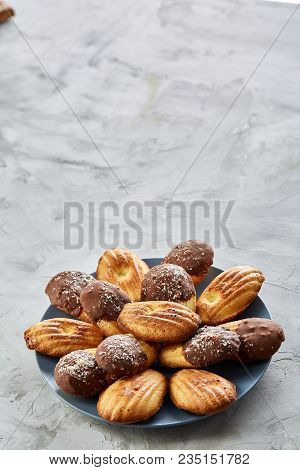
[(243, 377)]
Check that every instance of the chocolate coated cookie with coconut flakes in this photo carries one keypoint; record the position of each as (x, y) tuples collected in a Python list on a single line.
[(103, 300), (195, 256), (65, 288), (167, 282), (121, 356), (210, 345), (78, 373)]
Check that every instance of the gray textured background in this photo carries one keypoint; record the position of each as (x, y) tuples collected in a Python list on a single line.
[(149, 81)]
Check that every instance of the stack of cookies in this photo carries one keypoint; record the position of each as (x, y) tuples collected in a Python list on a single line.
[(132, 318)]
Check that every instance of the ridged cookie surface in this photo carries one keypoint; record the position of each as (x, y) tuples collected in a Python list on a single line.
[(156, 321), (229, 294), (201, 392), (124, 269), (60, 336), (133, 399)]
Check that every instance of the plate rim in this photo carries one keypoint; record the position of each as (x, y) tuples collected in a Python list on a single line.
[(143, 424)]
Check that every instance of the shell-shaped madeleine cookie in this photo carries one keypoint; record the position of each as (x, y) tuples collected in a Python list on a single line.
[(171, 283), (60, 336), (77, 373), (124, 269), (121, 356), (210, 345), (157, 321), (201, 392), (102, 300), (260, 338), (171, 355), (64, 291), (195, 256), (150, 349), (229, 294), (133, 399)]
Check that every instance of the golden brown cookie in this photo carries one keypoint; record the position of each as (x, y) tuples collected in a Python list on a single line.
[(260, 338), (124, 269), (64, 291), (60, 336), (133, 399), (156, 321), (91, 351), (201, 392), (171, 355), (151, 350), (78, 373), (84, 317), (110, 328), (171, 283), (195, 256), (229, 294)]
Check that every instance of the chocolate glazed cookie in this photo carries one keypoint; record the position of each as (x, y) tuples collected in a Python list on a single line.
[(170, 283), (195, 256), (210, 345), (65, 288), (121, 356), (77, 373), (103, 300), (260, 338)]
